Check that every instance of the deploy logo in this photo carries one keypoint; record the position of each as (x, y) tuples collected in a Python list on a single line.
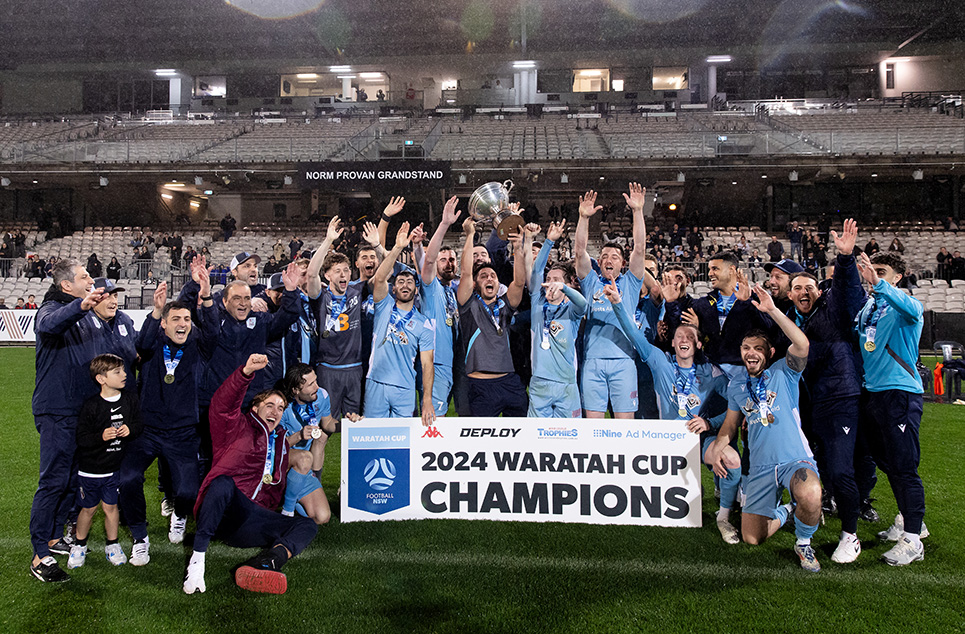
[(378, 469)]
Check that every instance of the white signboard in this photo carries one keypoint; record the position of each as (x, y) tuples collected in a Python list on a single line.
[(523, 469)]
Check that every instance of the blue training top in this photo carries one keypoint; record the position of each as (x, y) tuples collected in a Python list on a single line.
[(396, 338), (897, 321), (603, 338)]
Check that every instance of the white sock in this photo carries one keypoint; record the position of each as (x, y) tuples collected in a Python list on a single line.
[(723, 515), (196, 558), (803, 541), (914, 538)]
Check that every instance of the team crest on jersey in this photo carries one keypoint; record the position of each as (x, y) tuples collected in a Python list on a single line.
[(750, 407), (555, 328), (122, 329), (693, 401), (403, 338), (599, 296)]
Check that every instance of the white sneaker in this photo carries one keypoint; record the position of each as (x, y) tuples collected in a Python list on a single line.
[(115, 555), (904, 553), (809, 560), (167, 508), (896, 530), (848, 549), (176, 531), (194, 578), (728, 532), (78, 555), (140, 555)]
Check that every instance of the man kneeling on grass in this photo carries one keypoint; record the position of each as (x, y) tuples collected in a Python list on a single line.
[(238, 498), (767, 398)]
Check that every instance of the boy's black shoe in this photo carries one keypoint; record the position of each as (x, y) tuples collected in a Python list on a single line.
[(48, 571), (60, 547)]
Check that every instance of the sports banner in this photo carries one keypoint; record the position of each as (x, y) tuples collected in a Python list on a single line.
[(17, 326), (599, 471)]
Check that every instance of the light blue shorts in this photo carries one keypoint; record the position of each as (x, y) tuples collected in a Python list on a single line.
[(388, 401), (612, 381), (552, 399), (763, 486)]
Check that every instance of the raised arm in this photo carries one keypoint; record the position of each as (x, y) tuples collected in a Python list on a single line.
[(464, 291), (529, 231), (380, 281), (315, 265), (588, 208), (797, 353), (514, 294), (370, 233), (908, 308), (449, 217), (396, 203), (636, 200)]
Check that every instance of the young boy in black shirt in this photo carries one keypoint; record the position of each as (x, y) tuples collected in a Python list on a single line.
[(106, 423)]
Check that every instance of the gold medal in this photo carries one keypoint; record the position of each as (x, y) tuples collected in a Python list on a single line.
[(266, 478), (770, 418), (169, 378), (681, 412), (325, 334), (869, 346), (449, 321), (499, 331)]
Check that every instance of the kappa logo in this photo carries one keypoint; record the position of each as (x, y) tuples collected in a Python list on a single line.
[(432, 432), (902, 428), (846, 430)]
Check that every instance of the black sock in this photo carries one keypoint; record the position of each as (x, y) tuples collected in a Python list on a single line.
[(278, 556), (81, 542), (110, 542), (140, 541)]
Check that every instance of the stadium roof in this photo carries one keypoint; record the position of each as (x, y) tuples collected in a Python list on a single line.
[(104, 31)]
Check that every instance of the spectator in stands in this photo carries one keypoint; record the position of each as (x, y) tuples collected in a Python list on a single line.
[(31, 302), (755, 264), (295, 246), (872, 247), (206, 254), (30, 267), (3, 304), (176, 243), (114, 269), (811, 264), (950, 224), (149, 279), (742, 248), (6, 258), (20, 304), (271, 267), (775, 250), (795, 234), (94, 266), (228, 226), (20, 244), (137, 240), (896, 246), (944, 264), (48, 267), (278, 250), (957, 268)]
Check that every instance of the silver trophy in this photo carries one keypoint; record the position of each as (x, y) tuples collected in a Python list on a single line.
[(490, 202)]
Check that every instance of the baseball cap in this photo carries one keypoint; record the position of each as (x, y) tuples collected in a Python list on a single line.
[(788, 266), (275, 282), (108, 285), (241, 258)]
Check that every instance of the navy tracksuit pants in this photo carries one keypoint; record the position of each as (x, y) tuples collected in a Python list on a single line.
[(229, 515), (891, 419), (834, 424), (57, 485), (179, 449)]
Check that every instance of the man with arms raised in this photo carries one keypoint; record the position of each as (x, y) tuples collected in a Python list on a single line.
[(238, 497), (399, 332), (439, 304), (830, 409), (609, 373), (767, 398), (494, 388)]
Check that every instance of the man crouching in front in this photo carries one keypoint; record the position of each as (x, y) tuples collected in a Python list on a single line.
[(238, 498)]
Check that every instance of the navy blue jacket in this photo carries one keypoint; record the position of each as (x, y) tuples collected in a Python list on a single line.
[(173, 406), (237, 340), (723, 346), (833, 370), (68, 338)]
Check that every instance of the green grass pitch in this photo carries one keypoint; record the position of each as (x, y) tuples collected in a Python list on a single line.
[(478, 576)]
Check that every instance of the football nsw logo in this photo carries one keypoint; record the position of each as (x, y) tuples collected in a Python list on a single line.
[(380, 474)]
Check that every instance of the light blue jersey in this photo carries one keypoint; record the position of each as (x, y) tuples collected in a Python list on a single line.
[(439, 306), (603, 338), (397, 337), (892, 322), (297, 416), (678, 389), (554, 328), (770, 405)]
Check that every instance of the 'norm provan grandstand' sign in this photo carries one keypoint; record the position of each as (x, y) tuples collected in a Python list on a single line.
[(348, 173)]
